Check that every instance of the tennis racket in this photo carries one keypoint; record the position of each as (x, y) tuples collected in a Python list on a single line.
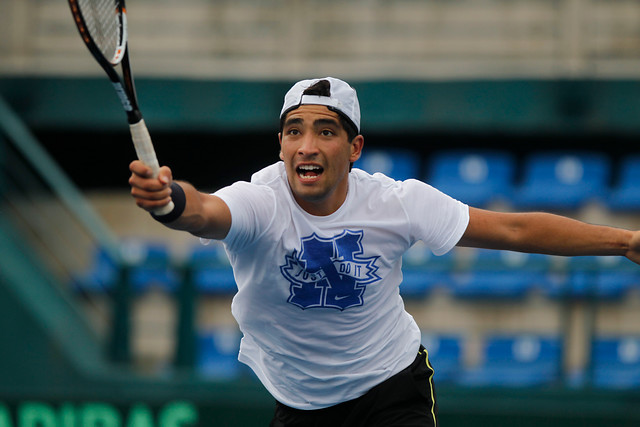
[(103, 28)]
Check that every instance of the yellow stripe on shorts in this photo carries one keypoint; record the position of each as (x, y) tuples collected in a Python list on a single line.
[(433, 397)]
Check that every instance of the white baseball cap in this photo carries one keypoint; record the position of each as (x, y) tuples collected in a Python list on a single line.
[(343, 99)]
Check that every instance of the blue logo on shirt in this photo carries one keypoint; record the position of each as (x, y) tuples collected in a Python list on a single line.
[(329, 272)]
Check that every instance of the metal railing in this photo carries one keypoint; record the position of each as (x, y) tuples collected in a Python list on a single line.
[(54, 218)]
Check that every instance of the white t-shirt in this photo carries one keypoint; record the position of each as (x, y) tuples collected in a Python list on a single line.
[(318, 298)]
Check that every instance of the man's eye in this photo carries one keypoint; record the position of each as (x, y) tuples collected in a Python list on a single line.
[(293, 132), (327, 132)]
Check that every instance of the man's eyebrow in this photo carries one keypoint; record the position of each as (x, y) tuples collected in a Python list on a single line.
[(325, 122), (293, 121), (316, 123)]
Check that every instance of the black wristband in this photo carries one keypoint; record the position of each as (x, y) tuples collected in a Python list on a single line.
[(179, 202)]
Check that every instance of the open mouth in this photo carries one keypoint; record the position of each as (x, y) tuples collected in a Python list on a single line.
[(309, 171)]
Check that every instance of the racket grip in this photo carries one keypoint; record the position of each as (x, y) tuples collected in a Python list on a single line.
[(146, 154)]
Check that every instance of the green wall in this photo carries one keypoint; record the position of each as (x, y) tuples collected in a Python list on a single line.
[(561, 106)]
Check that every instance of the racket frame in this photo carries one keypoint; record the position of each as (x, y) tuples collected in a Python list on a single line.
[(124, 87)]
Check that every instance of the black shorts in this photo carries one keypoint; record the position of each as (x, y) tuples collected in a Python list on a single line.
[(406, 399)]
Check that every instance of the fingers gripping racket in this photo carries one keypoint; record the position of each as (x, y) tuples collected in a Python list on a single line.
[(103, 27)]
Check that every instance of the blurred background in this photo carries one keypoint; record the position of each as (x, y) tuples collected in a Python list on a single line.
[(109, 319)]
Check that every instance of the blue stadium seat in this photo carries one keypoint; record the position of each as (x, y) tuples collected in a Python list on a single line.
[(603, 277), (562, 180), (422, 271), (210, 270), (616, 362), (150, 266), (475, 178), (218, 353), (395, 163), (493, 274), (625, 194), (445, 355), (516, 361), (101, 275)]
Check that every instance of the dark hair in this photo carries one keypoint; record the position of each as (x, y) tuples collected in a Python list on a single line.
[(323, 88), (319, 88)]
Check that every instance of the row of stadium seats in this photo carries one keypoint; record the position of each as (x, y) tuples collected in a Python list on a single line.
[(513, 360), (525, 360), (543, 180), (149, 266), (465, 273), (492, 274)]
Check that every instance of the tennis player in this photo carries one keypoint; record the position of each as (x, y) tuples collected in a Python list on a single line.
[(316, 249)]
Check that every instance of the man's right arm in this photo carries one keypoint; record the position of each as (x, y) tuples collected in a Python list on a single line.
[(204, 215)]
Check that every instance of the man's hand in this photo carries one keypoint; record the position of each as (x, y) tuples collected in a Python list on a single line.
[(150, 193), (204, 215), (634, 248)]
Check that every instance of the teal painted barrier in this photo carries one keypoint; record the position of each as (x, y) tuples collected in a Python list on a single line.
[(520, 106)]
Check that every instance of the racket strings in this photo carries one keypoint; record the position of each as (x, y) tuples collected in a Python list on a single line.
[(103, 22)]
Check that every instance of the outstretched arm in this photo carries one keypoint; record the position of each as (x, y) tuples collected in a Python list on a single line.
[(204, 215), (548, 234)]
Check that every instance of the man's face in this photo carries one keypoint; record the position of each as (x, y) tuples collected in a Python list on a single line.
[(317, 155)]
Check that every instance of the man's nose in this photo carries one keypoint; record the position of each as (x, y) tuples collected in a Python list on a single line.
[(308, 145)]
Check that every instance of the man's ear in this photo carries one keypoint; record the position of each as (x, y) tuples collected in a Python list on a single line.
[(356, 148), (280, 143)]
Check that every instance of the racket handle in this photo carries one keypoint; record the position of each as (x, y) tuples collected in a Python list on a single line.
[(146, 153)]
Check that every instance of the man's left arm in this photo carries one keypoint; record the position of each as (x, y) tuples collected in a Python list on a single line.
[(545, 233)]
